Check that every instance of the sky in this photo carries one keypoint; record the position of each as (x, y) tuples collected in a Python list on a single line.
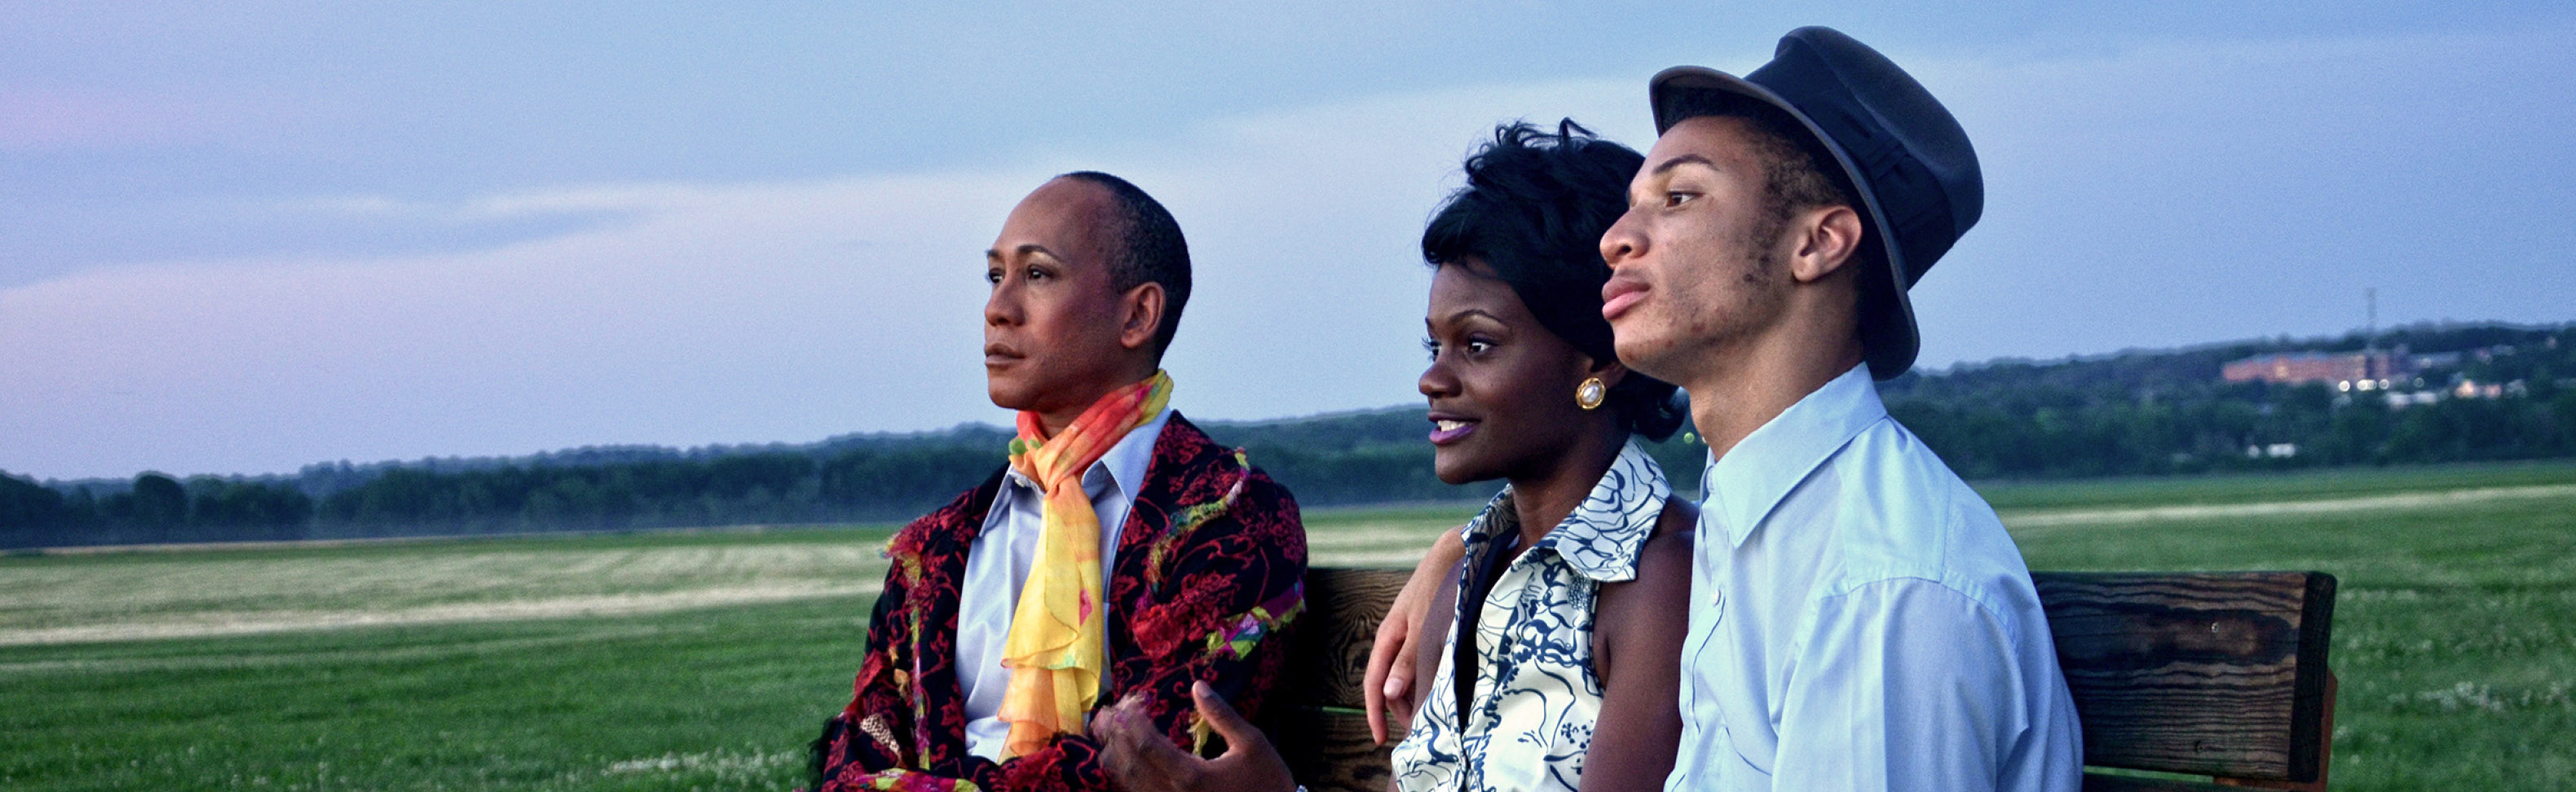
[(243, 237)]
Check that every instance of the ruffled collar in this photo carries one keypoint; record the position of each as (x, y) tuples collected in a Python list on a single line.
[(1603, 536)]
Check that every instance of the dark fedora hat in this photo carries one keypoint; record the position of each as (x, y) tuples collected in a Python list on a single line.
[(1906, 159)]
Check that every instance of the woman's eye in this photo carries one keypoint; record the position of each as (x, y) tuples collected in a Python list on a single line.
[(1431, 346), (1479, 346), (1673, 199)]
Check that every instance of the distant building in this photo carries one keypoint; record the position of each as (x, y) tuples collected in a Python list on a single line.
[(2272, 450), (2400, 400), (2473, 389), (2346, 370)]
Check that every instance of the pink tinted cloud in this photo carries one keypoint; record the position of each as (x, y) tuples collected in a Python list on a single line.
[(47, 118)]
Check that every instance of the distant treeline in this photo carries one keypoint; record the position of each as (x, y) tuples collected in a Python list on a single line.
[(154, 509), (2146, 413), (1354, 458), (2133, 413)]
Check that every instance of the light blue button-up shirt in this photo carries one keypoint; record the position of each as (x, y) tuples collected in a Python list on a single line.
[(1860, 620)]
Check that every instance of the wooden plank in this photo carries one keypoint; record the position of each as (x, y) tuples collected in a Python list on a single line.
[(1328, 647), (2220, 674), (2097, 782), (1328, 750)]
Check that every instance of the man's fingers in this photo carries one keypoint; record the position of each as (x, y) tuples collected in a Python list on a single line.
[(1139, 754), (1391, 668), (1399, 679), (1115, 734), (1239, 734), (1378, 685), (1399, 636)]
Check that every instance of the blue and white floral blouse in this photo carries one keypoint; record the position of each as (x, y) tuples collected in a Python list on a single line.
[(1536, 696)]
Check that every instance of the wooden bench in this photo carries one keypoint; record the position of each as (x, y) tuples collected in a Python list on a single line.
[(2219, 675)]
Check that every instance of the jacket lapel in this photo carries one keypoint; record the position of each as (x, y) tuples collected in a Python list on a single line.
[(934, 561)]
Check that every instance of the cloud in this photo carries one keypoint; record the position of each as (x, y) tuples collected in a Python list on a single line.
[(735, 313), (2147, 195), (47, 119)]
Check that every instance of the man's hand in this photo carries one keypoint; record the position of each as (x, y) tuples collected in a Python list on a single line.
[(1137, 755), (1388, 685)]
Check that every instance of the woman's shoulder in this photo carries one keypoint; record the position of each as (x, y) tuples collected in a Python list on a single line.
[(1663, 565), (1680, 517), (1646, 612)]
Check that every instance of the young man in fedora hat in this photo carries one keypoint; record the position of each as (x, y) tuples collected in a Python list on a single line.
[(1860, 620)]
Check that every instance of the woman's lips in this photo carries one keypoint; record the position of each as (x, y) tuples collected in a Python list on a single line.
[(1446, 431)]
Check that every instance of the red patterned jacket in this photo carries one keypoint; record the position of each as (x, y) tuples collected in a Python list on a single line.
[(1209, 565)]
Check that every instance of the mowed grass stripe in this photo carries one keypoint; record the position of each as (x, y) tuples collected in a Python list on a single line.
[(2430, 499), (718, 698), (208, 624), (220, 582), (216, 592)]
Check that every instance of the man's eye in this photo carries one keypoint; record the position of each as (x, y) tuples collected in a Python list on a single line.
[(993, 276), (1037, 274), (1673, 199)]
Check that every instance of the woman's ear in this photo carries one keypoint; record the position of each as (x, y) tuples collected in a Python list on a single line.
[(1610, 372), (1140, 315)]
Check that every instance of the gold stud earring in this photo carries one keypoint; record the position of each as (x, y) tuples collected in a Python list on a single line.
[(1589, 394)]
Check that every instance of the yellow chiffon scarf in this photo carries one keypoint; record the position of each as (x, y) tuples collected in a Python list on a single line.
[(1057, 646)]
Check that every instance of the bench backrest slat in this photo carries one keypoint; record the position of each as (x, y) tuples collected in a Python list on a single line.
[(1316, 718), (1329, 646), (2220, 674)]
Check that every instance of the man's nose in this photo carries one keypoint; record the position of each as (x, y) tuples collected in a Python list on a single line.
[(1621, 242), (1003, 308)]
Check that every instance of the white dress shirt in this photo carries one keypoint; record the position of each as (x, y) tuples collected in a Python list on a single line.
[(991, 591), (1860, 620)]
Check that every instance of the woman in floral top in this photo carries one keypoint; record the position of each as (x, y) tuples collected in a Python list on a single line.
[(1573, 594)]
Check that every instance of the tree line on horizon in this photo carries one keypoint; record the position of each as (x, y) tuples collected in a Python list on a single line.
[(2135, 413)]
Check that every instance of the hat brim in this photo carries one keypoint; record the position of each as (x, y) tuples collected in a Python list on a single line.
[(1889, 345)]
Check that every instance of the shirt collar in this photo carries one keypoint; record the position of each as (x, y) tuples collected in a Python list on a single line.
[(1602, 538), (1123, 466), (1746, 484), (1126, 462)]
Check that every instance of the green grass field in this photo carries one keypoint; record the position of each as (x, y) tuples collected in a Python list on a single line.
[(705, 660)]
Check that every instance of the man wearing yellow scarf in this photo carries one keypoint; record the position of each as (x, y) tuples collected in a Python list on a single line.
[(1118, 554)]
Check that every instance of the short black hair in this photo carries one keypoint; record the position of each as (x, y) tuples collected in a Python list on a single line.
[(1151, 250), (1534, 209), (1798, 173)]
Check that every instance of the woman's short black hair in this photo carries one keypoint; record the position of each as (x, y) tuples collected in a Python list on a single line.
[(1534, 209)]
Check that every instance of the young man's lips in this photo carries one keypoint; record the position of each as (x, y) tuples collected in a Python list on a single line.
[(1617, 296)]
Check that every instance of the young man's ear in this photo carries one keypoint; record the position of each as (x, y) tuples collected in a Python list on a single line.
[(1829, 239), (1140, 315)]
